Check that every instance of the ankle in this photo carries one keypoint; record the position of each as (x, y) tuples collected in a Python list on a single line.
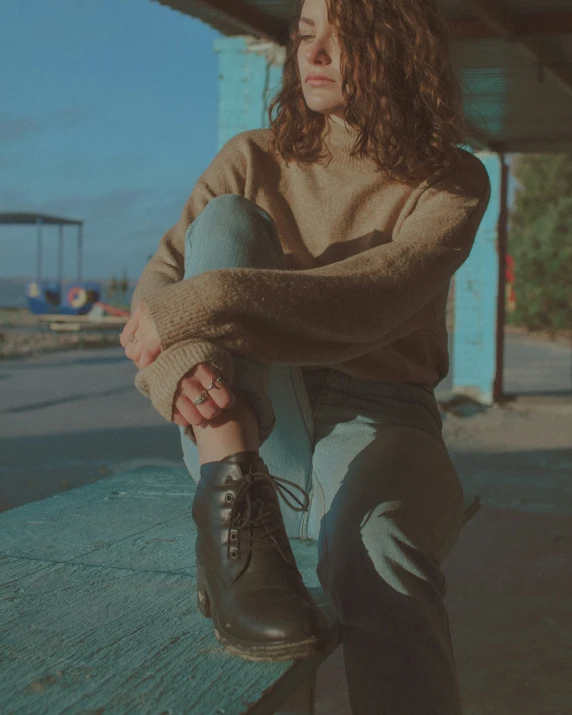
[(235, 430)]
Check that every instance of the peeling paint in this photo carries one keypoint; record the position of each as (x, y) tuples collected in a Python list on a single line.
[(274, 53)]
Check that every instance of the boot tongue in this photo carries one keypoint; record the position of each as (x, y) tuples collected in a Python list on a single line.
[(263, 498), (244, 459), (261, 491)]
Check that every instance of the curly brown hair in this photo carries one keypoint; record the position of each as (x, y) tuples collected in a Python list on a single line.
[(398, 85)]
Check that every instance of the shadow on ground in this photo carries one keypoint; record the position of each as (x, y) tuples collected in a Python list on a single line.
[(36, 467)]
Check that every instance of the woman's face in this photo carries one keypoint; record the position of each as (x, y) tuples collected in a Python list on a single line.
[(319, 53)]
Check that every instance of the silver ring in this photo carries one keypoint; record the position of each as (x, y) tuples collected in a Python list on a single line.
[(217, 380), (132, 338), (203, 397)]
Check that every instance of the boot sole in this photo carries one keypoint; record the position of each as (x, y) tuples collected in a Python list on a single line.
[(253, 651)]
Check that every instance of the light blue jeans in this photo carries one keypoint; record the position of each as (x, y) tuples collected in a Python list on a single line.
[(386, 501)]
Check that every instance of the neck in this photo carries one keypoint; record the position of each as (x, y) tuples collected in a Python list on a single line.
[(340, 139), (336, 120)]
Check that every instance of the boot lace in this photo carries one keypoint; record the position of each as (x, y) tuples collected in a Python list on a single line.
[(260, 513)]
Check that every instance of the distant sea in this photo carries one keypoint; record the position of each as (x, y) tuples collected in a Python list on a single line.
[(13, 291)]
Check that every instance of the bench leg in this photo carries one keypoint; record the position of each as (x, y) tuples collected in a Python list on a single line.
[(472, 506), (302, 701)]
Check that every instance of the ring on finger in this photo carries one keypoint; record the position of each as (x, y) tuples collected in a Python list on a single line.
[(203, 397), (217, 380)]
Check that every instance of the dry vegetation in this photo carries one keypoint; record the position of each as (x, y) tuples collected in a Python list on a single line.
[(23, 334)]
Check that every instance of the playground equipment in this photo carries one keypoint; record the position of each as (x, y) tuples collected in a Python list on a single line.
[(58, 297)]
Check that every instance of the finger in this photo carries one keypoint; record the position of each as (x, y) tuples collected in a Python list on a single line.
[(189, 411), (148, 356), (130, 328), (191, 389), (133, 350), (208, 409), (178, 418), (220, 394), (124, 334)]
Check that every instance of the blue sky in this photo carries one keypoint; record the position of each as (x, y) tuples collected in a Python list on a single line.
[(108, 114)]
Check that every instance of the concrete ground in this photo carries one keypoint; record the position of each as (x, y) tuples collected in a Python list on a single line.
[(71, 418)]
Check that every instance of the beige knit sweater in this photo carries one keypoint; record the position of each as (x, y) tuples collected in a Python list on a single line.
[(368, 267)]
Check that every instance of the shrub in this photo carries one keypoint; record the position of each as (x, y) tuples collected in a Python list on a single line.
[(540, 241)]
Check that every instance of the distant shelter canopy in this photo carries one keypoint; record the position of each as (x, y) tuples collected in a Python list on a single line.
[(14, 218)]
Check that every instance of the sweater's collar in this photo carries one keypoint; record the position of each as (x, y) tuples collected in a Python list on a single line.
[(340, 139)]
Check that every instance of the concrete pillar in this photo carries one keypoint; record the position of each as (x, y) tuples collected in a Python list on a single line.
[(474, 354), (250, 72)]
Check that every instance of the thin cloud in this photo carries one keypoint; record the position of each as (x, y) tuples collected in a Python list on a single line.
[(15, 128), (18, 128)]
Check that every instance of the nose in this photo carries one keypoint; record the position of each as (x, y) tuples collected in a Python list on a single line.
[(316, 54)]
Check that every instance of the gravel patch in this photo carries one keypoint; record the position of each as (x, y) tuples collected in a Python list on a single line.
[(22, 334)]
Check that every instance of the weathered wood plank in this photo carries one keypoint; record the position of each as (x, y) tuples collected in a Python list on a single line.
[(98, 608), (90, 518)]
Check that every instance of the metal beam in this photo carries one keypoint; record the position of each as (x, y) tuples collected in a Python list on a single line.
[(495, 15), (558, 144), (60, 257), (79, 251), (477, 137), (554, 23), (39, 250)]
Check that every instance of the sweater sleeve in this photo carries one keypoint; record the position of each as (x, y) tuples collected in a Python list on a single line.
[(159, 380), (337, 312), (225, 175)]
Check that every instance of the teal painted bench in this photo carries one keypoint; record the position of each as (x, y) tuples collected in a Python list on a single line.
[(98, 609)]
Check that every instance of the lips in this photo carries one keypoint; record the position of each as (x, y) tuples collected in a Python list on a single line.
[(318, 76)]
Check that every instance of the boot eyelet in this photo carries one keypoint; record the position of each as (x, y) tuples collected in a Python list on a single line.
[(229, 497), (233, 535), (234, 553), (228, 481)]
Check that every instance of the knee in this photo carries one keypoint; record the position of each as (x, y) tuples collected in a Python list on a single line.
[(375, 564), (236, 209), (235, 226), (221, 209), (230, 202), (399, 552)]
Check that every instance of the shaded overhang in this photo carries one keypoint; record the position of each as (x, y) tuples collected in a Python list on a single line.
[(513, 60)]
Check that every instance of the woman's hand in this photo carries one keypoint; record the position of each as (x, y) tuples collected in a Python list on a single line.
[(190, 387), (146, 346), (145, 350)]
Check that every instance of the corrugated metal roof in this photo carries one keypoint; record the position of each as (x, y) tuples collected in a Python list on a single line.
[(513, 59)]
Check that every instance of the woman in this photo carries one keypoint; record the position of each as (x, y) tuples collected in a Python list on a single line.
[(292, 323)]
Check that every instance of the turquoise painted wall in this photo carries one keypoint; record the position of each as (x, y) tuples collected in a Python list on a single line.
[(250, 72), (473, 357)]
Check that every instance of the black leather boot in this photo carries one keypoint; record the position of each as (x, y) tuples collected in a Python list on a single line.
[(247, 578)]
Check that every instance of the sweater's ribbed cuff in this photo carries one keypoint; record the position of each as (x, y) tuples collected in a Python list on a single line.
[(159, 380), (177, 312)]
